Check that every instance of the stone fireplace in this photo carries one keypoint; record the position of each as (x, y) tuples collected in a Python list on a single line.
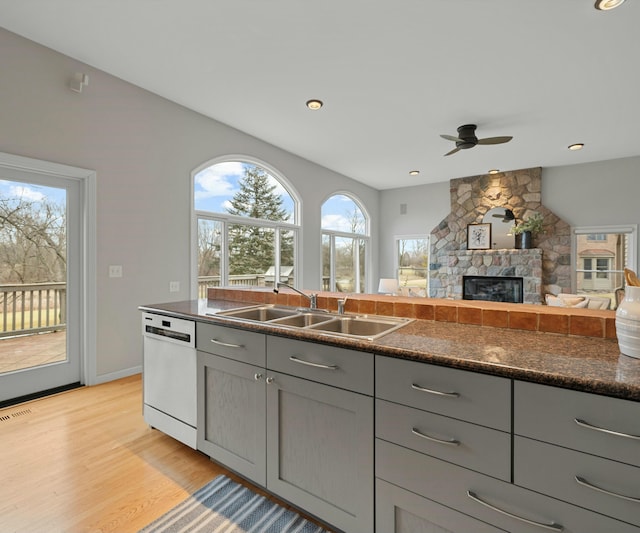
[(545, 269)]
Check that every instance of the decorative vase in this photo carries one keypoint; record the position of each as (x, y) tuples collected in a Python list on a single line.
[(524, 240), (628, 322)]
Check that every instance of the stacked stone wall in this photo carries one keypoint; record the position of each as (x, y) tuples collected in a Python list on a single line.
[(471, 198)]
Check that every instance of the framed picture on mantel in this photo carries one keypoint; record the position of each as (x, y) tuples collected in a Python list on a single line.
[(478, 236)]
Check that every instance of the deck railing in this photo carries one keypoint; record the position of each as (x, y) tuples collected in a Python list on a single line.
[(34, 308)]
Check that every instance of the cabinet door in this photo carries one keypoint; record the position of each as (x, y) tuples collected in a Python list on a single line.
[(401, 511), (504, 505), (231, 415), (320, 450)]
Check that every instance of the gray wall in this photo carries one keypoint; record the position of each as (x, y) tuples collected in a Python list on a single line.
[(143, 148), (591, 194)]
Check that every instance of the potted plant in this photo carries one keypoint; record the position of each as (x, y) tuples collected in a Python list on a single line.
[(527, 229)]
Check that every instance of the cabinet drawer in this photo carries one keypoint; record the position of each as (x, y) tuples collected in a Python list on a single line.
[(578, 420), (452, 485), (476, 398), (401, 511), (561, 468), (347, 369), (245, 346), (476, 447)]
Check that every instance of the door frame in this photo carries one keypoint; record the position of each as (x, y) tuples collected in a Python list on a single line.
[(87, 181)]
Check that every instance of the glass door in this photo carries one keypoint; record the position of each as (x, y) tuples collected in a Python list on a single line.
[(39, 283)]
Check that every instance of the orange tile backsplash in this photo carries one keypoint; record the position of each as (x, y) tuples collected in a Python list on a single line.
[(565, 321)]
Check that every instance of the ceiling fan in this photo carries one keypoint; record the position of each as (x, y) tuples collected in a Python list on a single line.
[(467, 139)]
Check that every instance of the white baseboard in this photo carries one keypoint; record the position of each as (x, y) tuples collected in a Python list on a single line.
[(104, 378)]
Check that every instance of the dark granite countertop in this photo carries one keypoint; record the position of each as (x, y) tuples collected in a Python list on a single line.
[(579, 363)]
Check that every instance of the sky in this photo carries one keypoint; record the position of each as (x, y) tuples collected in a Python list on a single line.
[(215, 186), (31, 192)]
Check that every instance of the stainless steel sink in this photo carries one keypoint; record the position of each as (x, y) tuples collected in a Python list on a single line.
[(356, 326), (261, 313), (353, 326), (303, 320)]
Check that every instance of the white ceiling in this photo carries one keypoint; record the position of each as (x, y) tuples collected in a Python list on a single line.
[(393, 74)]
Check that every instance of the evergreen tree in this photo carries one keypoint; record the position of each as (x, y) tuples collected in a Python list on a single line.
[(252, 247)]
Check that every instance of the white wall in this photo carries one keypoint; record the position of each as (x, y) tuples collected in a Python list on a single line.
[(590, 194), (143, 149)]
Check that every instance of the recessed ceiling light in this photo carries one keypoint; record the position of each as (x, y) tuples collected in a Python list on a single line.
[(606, 5), (414, 172), (314, 105), (494, 171), (576, 146)]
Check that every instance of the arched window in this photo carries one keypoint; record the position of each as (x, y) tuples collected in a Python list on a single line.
[(345, 244), (246, 225)]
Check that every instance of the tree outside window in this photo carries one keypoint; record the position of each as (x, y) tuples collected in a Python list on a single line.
[(246, 226)]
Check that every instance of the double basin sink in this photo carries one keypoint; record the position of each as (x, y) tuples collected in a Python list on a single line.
[(366, 327)]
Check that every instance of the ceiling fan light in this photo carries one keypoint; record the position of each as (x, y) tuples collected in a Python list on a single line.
[(606, 5)]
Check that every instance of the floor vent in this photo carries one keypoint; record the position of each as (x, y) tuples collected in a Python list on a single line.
[(16, 414)]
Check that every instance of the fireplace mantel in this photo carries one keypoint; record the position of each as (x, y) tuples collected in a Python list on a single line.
[(526, 264)]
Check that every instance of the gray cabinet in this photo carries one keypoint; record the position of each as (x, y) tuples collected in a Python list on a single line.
[(401, 511), (231, 396), (589, 444), (320, 450), (292, 416)]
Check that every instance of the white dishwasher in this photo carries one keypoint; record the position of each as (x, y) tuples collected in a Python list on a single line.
[(169, 376)]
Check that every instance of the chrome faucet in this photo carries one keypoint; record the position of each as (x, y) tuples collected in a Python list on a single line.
[(313, 298), (341, 304)]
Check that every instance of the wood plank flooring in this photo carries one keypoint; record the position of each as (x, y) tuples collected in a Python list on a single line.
[(85, 461)]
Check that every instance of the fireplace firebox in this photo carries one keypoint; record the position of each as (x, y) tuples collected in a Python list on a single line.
[(492, 288)]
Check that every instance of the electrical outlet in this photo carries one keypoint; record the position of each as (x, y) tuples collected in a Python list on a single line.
[(174, 286), (115, 271)]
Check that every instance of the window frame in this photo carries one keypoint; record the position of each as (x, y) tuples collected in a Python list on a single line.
[(632, 244), (227, 219), (357, 237)]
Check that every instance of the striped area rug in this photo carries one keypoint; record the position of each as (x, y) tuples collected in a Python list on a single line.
[(224, 506)]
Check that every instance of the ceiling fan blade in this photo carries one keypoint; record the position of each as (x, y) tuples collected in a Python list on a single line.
[(495, 140), (451, 138), (453, 151)]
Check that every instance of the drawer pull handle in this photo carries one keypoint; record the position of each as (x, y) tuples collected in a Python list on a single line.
[(436, 392), (449, 442), (226, 344), (585, 483), (309, 363), (552, 526), (584, 424)]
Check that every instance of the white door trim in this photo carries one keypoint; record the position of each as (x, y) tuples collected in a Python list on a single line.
[(88, 312)]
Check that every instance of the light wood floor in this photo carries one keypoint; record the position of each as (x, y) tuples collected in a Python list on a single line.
[(85, 461)]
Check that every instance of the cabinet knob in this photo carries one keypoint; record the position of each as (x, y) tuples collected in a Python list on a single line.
[(269, 380), (257, 376)]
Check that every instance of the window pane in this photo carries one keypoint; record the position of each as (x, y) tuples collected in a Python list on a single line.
[(345, 264), (287, 265), (209, 255), (326, 263), (244, 189), (602, 254), (251, 254), (362, 248), (341, 213), (413, 263)]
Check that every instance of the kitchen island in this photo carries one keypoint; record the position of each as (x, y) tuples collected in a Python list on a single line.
[(465, 421)]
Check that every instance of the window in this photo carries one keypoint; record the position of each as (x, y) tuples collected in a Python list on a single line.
[(412, 265), (601, 255), (246, 226), (345, 245)]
